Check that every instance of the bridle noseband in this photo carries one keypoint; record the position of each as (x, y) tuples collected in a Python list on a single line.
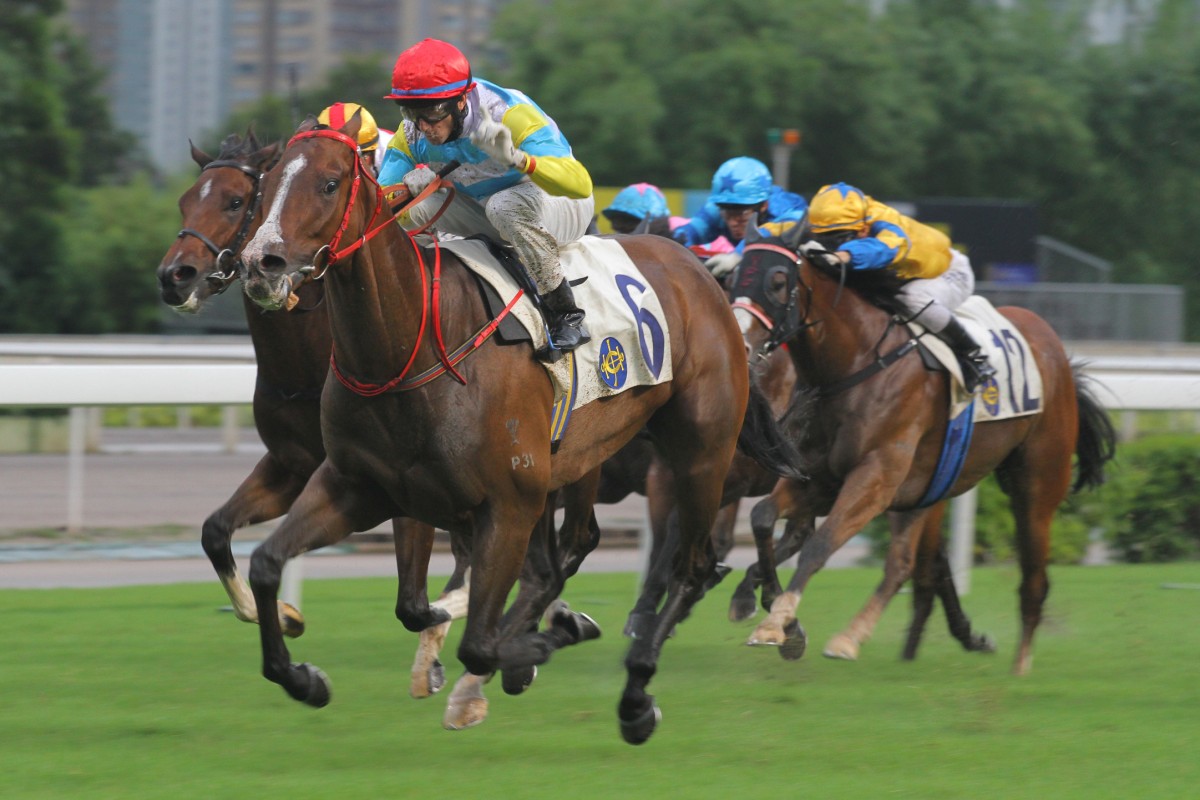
[(227, 272)]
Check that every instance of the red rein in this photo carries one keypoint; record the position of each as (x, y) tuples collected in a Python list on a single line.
[(374, 389)]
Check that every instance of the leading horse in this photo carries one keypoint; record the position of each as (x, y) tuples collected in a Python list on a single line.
[(466, 445), (876, 431), (291, 347)]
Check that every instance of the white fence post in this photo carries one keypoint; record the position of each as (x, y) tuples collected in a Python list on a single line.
[(962, 538)]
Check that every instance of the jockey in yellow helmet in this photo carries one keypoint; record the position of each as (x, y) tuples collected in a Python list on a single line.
[(848, 227), (372, 140)]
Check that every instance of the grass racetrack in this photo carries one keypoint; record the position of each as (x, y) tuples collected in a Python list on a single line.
[(148, 692)]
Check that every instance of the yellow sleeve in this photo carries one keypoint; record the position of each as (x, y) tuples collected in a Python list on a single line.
[(550, 165)]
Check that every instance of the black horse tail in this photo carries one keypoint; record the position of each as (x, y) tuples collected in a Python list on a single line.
[(1097, 443), (763, 439)]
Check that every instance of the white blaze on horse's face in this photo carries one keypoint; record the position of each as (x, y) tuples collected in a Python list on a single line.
[(206, 188), (745, 320), (270, 232)]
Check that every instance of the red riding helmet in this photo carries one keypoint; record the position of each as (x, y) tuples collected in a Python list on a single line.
[(430, 70)]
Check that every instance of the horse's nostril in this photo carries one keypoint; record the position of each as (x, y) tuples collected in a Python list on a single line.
[(269, 262), (184, 273)]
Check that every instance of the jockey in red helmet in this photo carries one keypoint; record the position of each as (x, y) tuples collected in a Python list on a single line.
[(518, 181)]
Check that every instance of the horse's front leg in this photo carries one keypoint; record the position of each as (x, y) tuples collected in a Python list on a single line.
[(866, 492), (744, 603), (266, 493), (499, 542), (326, 512), (906, 527)]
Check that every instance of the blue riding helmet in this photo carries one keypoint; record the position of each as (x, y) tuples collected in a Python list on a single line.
[(639, 200), (741, 181)]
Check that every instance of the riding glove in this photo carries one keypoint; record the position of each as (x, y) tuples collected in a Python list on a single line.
[(417, 179), (722, 264), (817, 252), (495, 139)]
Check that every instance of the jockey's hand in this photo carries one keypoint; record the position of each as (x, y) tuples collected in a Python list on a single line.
[(722, 264), (496, 140), (816, 252), (417, 179)]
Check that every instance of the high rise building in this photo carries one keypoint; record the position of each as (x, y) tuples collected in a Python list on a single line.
[(177, 68)]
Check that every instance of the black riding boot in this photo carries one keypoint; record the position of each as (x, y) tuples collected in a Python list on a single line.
[(564, 318), (975, 367)]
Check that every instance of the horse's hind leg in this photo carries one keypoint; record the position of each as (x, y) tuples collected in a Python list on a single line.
[(660, 498), (933, 577), (320, 516), (898, 568), (266, 493), (1034, 494)]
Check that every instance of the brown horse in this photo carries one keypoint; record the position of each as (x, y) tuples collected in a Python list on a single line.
[(876, 431), (292, 353), (473, 456)]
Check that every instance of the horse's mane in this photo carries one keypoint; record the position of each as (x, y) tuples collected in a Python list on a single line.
[(238, 148), (877, 286)]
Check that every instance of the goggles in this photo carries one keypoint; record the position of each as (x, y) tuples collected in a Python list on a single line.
[(429, 114), (737, 211)]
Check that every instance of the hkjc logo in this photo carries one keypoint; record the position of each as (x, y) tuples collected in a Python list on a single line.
[(613, 369), (990, 395)]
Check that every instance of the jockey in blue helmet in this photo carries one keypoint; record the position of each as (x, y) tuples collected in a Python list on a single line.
[(741, 187), (634, 203)]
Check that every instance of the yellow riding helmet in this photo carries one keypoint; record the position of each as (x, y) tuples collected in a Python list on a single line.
[(335, 116), (837, 206)]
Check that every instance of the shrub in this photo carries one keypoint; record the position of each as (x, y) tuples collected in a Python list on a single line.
[(1153, 498)]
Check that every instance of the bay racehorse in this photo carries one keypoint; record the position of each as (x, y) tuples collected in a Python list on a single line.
[(875, 432), (220, 211), (464, 444)]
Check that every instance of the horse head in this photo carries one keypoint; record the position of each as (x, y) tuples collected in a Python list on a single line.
[(764, 290), (218, 211), (310, 200)]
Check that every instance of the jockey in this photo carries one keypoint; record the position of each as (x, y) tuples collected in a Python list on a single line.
[(518, 181), (638, 202), (741, 187), (372, 140), (849, 227)]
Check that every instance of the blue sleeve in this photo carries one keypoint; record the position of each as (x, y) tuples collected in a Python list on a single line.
[(785, 206), (704, 227), (396, 164), (870, 253)]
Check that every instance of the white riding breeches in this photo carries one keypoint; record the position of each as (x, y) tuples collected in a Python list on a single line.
[(533, 221), (931, 300)]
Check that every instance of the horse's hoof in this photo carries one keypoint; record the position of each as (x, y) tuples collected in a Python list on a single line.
[(984, 644), (313, 686), (516, 681), (767, 634), (467, 714), (841, 647), (290, 620), (429, 683), (794, 643), (742, 607), (638, 731), (578, 625), (639, 626)]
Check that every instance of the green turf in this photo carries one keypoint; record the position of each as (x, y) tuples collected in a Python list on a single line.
[(153, 692)]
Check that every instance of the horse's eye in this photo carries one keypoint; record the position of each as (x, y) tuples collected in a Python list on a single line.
[(236, 203), (330, 187)]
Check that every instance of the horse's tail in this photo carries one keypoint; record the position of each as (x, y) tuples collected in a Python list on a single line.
[(1097, 443), (764, 440)]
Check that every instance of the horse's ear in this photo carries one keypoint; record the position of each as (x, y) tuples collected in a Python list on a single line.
[(353, 124), (752, 234), (199, 156), (795, 234), (250, 137), (266, 158), (642, 227), (308, 124)]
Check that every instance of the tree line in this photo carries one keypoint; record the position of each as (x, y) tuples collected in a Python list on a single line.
[(908, 98)]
